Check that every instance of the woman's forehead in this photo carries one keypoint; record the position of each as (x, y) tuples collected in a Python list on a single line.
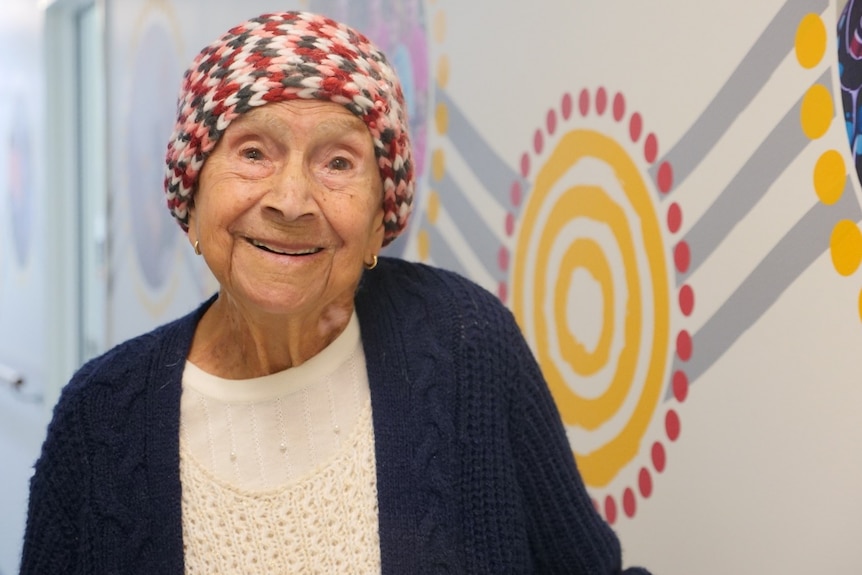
[(320, 116)]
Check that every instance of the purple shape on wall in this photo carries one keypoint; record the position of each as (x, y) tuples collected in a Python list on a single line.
[(399, 29), (155, 80), (20, 181)]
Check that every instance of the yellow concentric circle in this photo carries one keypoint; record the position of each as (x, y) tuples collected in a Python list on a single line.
[(636, 233), (590, 413), (586, 254)]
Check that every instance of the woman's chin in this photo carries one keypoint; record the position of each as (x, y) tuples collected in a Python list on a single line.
[(280, 300)]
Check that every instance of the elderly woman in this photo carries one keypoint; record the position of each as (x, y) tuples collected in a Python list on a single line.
[(328, 410)]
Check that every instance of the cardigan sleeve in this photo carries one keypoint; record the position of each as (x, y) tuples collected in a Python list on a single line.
[(60, 481), (566, 533)]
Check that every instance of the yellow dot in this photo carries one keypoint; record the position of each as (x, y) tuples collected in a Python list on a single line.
[(440, 26), (423, 245), (438, 164), (829, 175), (810, 41), (443, 71), (846, 247), (433, 208), (817, 111), (442, 118)]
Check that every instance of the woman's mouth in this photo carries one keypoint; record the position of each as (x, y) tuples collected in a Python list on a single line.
[(297, 252)]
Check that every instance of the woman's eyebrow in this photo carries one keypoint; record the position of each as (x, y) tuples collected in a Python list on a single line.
[(338, 124), (260, 121), (341, 124)]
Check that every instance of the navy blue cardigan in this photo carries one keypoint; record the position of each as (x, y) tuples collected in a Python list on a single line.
[(473, 468)]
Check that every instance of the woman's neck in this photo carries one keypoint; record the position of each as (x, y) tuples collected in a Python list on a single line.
[(236, 343)]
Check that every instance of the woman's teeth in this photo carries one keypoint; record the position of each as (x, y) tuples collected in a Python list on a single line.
[(304, 252)]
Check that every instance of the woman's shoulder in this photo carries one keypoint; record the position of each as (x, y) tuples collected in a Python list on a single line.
[(127, 361), (398, 277), (430, 299)]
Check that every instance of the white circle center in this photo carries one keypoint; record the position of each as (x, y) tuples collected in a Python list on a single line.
[(585, 309)]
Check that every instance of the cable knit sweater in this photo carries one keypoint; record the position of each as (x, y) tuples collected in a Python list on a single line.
[(474, 471)]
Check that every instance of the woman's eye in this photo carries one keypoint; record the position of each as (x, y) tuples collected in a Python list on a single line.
[(252, 154), (339, 164)]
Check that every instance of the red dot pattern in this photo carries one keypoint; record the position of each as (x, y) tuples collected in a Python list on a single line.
[(651, 148), (645, 483), (672, 425), (674, 218), (503, 258), (686, 300), (659, 459), (566, 106), (515, 193), (538, 142), (551, 122), (610, 510), (680, 386), (635, 127), (584, 102), (665, 177), (619, 107), (510, 224), (598, 102), (682, 257), (683, 345), (601, 101), (629, 503)]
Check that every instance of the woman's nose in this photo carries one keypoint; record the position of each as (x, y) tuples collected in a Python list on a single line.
[(291, 192)]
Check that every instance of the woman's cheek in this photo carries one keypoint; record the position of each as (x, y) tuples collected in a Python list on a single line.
[(252, 171)]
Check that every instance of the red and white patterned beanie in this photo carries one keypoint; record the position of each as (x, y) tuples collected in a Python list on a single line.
[(288, 56)]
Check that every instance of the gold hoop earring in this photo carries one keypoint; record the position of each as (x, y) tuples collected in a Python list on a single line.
[(373, 263), (197, 248)]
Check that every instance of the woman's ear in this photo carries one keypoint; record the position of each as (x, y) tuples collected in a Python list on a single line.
[(379, 231), (192, 233)]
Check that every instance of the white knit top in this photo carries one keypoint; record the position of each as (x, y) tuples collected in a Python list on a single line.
[(278, 472)]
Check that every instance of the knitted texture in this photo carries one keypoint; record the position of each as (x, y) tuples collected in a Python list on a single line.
[(105, 495), (474, 472), (288, 56), (262, 433), (326, 522), (481, 471)]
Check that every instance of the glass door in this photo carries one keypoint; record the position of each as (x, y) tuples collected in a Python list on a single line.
[(76, 211), (91, 187)]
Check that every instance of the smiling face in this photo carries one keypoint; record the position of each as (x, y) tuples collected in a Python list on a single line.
[(288, 208)]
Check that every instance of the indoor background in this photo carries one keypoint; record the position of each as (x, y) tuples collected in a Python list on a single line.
[(700, 323)]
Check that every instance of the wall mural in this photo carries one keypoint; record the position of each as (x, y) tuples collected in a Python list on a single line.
[(583, 237), (850, 66), (154, 273), (600, 235), (590, 250), (19, 175), (399, 29), (154, 72), (846, 240)]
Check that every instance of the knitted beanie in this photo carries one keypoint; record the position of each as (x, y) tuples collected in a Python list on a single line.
[(287, 56)]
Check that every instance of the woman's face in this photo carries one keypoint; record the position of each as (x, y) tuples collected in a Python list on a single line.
[(289, 207)]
